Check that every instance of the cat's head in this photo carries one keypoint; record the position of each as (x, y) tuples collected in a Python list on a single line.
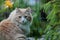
[(22, 17)]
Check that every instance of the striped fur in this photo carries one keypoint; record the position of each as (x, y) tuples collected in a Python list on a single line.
[(9, 31)]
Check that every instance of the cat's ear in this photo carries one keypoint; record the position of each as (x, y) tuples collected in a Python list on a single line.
[(29, 10), (17, 10)]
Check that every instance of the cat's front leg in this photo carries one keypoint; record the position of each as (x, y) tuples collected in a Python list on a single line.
[(19, 37)]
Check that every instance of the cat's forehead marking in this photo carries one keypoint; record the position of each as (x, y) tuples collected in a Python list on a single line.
[(23, 10)]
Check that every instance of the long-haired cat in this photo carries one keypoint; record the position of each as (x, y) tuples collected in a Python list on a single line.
[(17, 25)]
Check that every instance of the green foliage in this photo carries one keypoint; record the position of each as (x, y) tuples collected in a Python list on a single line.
[(19, 3), (1, 2), (53, 30), (48, 7)]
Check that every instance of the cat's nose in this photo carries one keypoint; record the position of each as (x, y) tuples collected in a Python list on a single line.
[(23, 21)]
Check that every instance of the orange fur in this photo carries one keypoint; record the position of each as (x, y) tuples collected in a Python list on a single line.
[(8, 30)]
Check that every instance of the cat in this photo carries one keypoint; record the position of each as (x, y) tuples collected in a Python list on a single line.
[(17, 25)]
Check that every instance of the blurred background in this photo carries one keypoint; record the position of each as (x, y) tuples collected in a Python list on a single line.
[(46, 21)]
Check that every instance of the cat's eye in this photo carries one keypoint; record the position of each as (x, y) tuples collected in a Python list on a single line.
[(25, 16), (19, 16)]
